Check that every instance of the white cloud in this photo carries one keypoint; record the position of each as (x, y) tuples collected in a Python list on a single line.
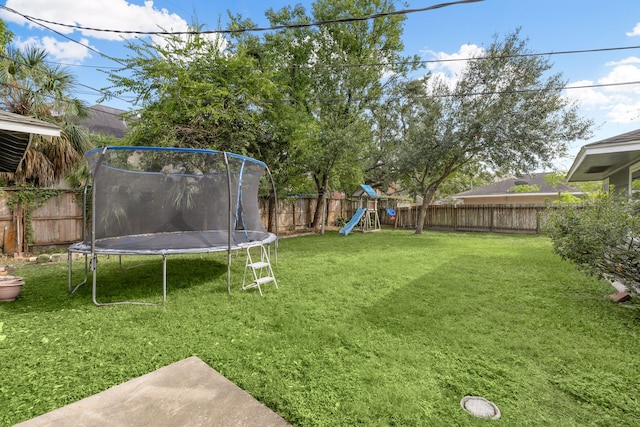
[(69, 52), (620, 102), (635, 31), (66, 51), (114, 15), (622, 74), (451, 65), (586, 95), (99, 14), (625, 112), (629, 60)]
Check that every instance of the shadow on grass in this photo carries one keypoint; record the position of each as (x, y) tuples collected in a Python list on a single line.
[(139, 279)]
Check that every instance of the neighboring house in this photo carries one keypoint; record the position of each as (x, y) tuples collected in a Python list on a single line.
[(105, 121), (615, 161), (528, 189)]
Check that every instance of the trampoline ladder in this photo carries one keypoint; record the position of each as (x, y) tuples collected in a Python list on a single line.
[(258, 273)]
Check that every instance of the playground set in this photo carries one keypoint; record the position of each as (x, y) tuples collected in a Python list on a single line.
[(366, 216)]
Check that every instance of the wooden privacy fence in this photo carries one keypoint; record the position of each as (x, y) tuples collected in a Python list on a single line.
[(496, 218), (58, 222)]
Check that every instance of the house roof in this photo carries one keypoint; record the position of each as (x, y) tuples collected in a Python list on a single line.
[(505, 188), (601, 159), (105, 120), (15, 136)]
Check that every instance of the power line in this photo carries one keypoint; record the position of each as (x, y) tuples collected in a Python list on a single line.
[(39, 21), (450, 95), (36, 21), (100, 91), (243, 30), (96, 67)]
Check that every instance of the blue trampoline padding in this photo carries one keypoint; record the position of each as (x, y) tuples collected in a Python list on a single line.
[(169, 149)]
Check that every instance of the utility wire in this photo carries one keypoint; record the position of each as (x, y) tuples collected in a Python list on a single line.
[(252, 29), (410, 62), (37, 22), (100, 91)]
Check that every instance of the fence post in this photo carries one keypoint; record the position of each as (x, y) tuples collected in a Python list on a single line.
[(492, 211), (454, 217)]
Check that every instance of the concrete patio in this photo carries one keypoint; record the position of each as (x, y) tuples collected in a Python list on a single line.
[(185, 393)]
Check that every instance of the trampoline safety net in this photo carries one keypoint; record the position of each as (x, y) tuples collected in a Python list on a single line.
[(168, 200), (164, 201)]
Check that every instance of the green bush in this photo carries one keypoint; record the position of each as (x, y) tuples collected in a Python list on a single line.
[(601, 235)]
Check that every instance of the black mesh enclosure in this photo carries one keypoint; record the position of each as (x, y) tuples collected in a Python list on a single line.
[(172, 200)]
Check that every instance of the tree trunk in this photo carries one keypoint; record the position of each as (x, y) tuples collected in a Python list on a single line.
[(271, 217), (318, 217), (427, 197)]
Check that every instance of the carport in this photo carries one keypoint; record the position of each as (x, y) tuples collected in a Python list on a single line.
[(16, 132)]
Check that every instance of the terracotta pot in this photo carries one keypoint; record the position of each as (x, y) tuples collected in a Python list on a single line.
[(10, 287)]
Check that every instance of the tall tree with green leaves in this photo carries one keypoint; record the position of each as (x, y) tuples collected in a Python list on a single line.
[(208, 92), (30, 86), (194, 92), (335, 75), (285, 124), (505, 113)]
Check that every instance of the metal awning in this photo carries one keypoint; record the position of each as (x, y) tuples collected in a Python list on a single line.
[(15, 135)]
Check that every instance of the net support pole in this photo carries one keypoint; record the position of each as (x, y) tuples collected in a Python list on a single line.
[(226, 163), (275, 213), (164, 278), (94, 256)]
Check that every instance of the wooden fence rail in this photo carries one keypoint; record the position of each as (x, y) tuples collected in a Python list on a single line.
[(495, 218), (58, 222)]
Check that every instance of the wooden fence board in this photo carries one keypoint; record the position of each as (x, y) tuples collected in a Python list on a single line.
[(59, 221)]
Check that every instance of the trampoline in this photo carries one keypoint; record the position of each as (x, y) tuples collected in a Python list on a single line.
[(169, 201)]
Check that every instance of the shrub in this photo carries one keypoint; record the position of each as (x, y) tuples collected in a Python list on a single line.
[(602, 236)]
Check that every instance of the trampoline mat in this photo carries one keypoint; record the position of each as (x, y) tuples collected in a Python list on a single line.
[(176, 242)]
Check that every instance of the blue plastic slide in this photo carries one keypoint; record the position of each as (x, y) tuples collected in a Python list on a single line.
[(355, 219)]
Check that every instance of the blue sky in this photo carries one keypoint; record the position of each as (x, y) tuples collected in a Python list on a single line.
[(450, 32)]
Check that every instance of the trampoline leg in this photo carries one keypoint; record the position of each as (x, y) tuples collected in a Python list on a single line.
[(69, 267), (94, 291), (164, 279), (86, 273), (94, 270)]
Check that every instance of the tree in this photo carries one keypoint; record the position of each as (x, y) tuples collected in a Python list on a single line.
[(190, 92), (286, 126), (31, 87), (333, 75), (505, 113), (589, 189), (602, 236), (5, 37), (211, 93)]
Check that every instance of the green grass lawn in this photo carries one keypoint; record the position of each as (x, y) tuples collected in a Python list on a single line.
[(373, 329)]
